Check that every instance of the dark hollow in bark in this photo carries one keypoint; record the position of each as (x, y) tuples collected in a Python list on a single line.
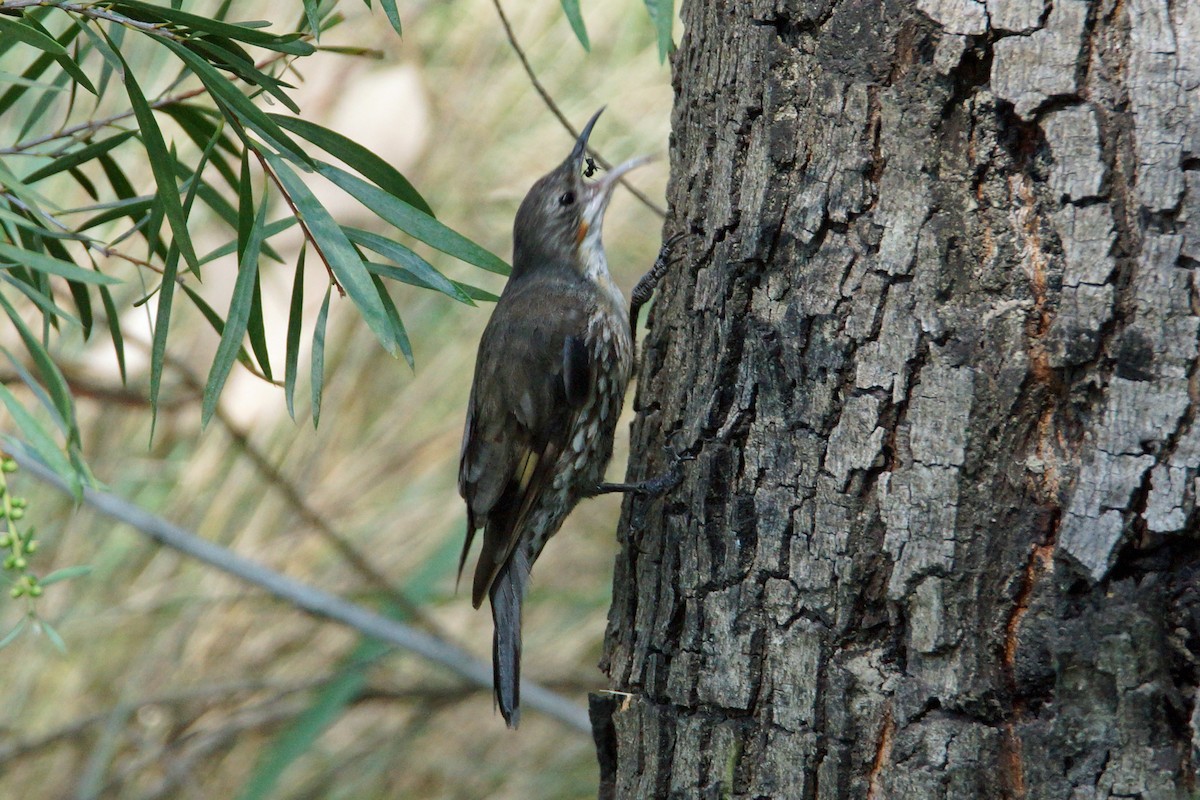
[(934, 347)]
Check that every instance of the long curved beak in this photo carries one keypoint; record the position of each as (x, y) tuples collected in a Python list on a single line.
[(596, 195), (576, 157)]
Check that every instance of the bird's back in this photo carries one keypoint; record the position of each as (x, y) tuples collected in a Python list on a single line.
[(540, 421)]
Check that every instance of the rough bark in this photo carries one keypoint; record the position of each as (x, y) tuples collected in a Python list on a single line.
[(934, 347)]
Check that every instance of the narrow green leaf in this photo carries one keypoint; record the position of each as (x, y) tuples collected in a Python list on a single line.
[(295, 319), (236, 103), (31, 36), (313, 13), (54, 637), (12, 635), (413, 222), (162, 165), (12, 29), (272, 229), (214, 319), (77, 157), (341, 256), (43, 104), (240, 64), (18, 256), (358, 158), (389, 8), (65, 574), (39, 440), (39, 298), (662, 15), (246, 236), (37, 390), (114, 330), (237, 318), (200, 126), (318, 357), (245, 32), (52, 378), (394, 316), (256, 330), (83, 304), (112, 64), (27, 195), (421, 271), (475, 293), (575, 17), (162, 324)]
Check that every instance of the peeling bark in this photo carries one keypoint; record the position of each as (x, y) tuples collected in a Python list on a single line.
[(934, 348)]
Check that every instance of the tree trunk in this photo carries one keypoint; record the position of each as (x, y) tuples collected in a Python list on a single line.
[(934, 347)]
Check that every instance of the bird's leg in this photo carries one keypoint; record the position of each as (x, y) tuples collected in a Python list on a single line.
[(645, 287), (651, 487)]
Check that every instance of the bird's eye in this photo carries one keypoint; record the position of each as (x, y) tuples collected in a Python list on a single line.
[(566, 199)]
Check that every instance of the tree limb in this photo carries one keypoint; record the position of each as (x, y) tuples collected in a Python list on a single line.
[(313, 600)]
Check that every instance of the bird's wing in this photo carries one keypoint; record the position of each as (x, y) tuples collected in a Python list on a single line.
[(531, 376)]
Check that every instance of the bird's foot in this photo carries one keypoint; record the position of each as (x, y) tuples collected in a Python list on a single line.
[(645, 287), (657, 486)]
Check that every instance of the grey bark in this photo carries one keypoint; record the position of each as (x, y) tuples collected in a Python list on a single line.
[(934, 347)]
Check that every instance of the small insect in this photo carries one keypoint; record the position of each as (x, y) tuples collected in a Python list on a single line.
[(591, 169)]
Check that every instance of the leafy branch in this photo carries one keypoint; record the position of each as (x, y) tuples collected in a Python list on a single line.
[(83, 226)]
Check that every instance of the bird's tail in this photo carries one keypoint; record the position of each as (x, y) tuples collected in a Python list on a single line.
[(506, 594)]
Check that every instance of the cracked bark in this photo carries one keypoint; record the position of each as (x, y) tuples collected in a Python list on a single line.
[(934, 347)]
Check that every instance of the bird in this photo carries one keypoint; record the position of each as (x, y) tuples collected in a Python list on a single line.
[(550, 377)]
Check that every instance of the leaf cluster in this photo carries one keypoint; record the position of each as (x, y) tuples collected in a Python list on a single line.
[(101, 90)]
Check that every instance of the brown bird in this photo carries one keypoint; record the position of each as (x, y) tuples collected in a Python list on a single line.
[(550, 380)]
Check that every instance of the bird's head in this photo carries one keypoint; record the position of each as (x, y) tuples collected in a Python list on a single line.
[(560, 220)]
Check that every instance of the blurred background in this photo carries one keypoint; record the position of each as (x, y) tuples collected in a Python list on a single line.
[(181, 683)]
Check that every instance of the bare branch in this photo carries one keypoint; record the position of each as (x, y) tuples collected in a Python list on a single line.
[(313, 600)]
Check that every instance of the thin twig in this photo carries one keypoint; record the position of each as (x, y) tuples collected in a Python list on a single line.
[(315, 601), (246, 140), (554, 109)]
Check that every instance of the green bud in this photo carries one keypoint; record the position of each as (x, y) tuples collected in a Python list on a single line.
[(10, 562), (35, 591), (31, 546), (16, 591), (16, 514), (8, 465), (6, 541), (20, 563), (19, 502)]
